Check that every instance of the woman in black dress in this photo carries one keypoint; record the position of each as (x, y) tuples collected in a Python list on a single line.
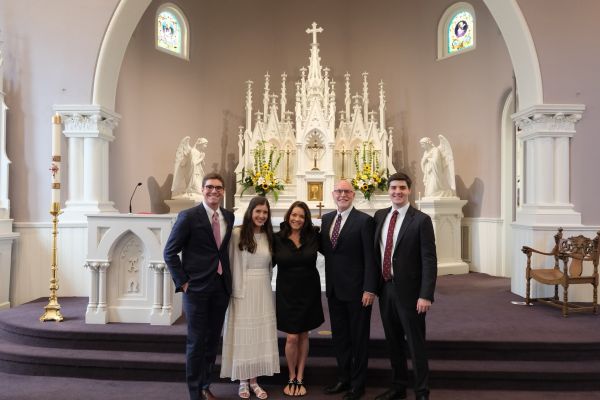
[(298, 294)]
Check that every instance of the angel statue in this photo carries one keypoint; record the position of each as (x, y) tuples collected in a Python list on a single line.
[(189, 170), (438, 168)]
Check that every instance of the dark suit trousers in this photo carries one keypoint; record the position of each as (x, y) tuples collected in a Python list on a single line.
[(350, 328), (205, 313), (404, 327)]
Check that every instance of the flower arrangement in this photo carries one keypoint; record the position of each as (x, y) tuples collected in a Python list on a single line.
[(369, 176), (261, 176)]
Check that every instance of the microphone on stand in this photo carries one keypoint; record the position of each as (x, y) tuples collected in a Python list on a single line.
[(134, 189)]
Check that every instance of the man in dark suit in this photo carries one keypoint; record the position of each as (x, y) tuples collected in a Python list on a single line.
[(351, 283), (201, 234), (406, 255)]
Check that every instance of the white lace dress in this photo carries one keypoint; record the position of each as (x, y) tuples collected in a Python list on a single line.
[(250, 333)]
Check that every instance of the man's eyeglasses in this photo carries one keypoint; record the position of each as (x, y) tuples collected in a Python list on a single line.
[(210, 188), (343, 191)]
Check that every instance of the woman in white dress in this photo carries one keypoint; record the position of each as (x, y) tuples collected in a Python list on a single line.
[(250, 335)]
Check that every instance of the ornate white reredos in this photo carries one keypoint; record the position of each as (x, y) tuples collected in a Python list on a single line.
[(314, 147)]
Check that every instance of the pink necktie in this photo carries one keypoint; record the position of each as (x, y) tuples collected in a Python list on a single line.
[(335, 234), (389, 244), (216, 228)]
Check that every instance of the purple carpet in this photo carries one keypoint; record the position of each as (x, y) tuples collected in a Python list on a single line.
[(478, 341)]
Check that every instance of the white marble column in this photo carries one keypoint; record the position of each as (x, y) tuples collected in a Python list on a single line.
[(545, 131), (89, 129), (7, 236), (97, 309)]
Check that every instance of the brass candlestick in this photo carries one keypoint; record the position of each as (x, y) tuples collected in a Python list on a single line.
[(52, 312), (287, 166), (344, 152)]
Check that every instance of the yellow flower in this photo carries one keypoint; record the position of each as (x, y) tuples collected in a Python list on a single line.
[(265, 186)]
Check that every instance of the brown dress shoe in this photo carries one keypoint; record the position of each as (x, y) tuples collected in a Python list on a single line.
[(207, 395)]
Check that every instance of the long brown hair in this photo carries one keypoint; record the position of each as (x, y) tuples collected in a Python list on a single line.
[(307, 229), (247, 241)]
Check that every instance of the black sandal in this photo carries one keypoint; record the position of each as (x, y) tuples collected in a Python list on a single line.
[(299, 386), (291, 388)]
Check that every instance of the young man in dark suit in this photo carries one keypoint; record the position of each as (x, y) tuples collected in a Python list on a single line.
[(406, 256), (201, 234), (351, 278)]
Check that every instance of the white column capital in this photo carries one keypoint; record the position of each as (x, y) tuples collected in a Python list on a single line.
[(157, 266), (88, 120), (548, 120)]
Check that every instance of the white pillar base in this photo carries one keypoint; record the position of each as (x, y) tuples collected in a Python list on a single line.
[(453, 268), (96, 316), (177, 205), (446, 215), (548, 214)]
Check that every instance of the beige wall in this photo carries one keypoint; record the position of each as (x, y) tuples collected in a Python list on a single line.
[(50, 50), (566, 39), (162, 98)]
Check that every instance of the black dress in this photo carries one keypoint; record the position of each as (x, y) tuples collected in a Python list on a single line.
[(298, 292)]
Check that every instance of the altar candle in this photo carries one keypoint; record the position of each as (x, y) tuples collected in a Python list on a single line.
[(56, 132), (55, 166)]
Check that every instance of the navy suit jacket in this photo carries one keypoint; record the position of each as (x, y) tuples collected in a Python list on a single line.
[(350, 268), (192, 236), (414, 259)]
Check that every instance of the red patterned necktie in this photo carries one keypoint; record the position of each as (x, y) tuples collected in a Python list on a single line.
[(335, 234), (389, 244), (216, 228)]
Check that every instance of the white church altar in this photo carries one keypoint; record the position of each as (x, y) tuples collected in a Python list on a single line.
[(314, 147)]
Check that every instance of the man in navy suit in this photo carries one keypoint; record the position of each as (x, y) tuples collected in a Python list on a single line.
[(351, 278), (406, 256), (201, 234)]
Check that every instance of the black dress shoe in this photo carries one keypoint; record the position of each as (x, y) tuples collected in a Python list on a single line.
[(336, 388), (354, 394), (422, 397), (392, 394)]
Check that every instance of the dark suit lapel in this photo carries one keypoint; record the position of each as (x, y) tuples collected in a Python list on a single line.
[(326, 226), (206, 225), (408, 218), (349, 220), (379, 228), (228, 223)]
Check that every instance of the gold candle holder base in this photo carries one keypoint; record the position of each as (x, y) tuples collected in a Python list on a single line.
[(52, 312)]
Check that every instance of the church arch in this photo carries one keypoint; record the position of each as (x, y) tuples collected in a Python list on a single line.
[(507, 15)]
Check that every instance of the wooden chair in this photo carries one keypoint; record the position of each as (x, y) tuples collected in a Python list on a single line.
[(573, 252)]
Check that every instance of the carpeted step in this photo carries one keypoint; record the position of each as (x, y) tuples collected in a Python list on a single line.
[(481, 374)]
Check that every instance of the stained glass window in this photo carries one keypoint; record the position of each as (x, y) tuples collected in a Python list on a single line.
[(460, 32), (172, 31), (457, 30), (169, 32)]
